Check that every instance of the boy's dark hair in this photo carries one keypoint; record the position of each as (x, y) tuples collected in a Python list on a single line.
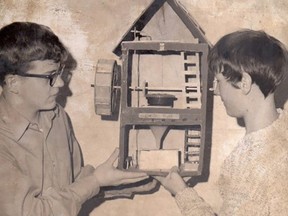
[(23, 42), (260, 55)]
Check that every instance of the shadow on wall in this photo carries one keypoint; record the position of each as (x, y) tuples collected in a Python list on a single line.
[(65, 91), (208, 139), (128, 191)]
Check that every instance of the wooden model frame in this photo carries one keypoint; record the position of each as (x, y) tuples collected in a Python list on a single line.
[(187, 119)]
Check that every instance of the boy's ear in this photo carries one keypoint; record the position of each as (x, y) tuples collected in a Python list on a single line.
[(11, 83), (246, 83)]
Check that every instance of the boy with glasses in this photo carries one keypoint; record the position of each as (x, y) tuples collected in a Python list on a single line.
[(51, 77), (248, 66), (40, 161)]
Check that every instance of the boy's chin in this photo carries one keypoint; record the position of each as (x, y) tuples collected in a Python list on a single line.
[(52, 107)]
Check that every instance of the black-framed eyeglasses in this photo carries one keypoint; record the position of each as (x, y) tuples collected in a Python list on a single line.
[(52, 77)]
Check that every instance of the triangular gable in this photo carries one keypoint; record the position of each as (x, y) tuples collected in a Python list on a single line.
[(150, 11)]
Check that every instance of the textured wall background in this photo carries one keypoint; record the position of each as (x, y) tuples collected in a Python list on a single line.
[(92, 28)]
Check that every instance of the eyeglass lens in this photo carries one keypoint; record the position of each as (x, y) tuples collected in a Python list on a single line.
[(54, 77)]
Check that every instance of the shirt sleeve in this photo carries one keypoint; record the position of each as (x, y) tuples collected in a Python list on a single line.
[(68, 201), (191, 204), (19, 198), (278, 188), (84, 185), (264, 193)]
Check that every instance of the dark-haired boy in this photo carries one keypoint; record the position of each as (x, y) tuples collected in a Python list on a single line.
[(248, 66)]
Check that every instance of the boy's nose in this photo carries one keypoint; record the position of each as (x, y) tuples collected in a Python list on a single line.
[(215, 88), (59, 82), (216, 91)]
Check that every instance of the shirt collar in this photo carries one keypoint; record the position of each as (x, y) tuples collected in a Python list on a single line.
[(13, 124)]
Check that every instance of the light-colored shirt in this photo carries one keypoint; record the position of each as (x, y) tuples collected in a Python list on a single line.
[(41, 169), (253, 179)]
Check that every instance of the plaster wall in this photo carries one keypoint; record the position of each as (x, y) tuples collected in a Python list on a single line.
[(92, 28)]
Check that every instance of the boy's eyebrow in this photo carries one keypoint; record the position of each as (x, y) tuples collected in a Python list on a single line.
[(50, 72), (59, 69)]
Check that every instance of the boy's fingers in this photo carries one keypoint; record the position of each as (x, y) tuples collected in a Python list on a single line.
[(113, 157), (132, 180), (133, 175), (174, 169), (159, 178)]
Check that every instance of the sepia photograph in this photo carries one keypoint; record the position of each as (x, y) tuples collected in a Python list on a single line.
[(143, 107)]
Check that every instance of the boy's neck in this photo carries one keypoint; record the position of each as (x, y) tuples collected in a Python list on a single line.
[(260, 114), (28, 113)]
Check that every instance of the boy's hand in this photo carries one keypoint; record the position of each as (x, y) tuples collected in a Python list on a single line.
[(107, 175), (173, 182)]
